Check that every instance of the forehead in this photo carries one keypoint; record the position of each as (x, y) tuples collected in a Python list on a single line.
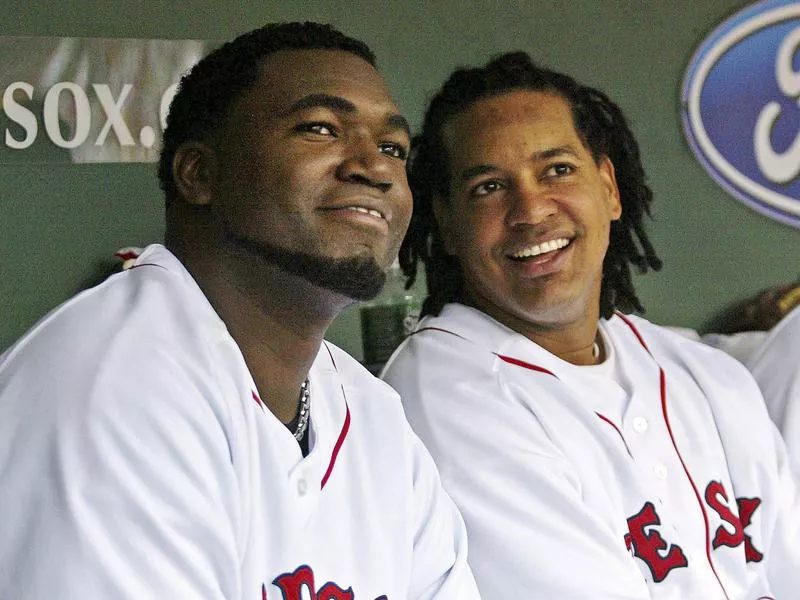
[(508, 124), (288, 75)]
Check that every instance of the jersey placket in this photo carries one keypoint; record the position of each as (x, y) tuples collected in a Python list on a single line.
[(649, 426)]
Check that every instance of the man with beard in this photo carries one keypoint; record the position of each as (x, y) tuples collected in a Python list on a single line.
[(183, 430)]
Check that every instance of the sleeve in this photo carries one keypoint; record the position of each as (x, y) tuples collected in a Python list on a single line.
[(775, 368), (783, 555), (439, 563), (530, 533), (115, 477)]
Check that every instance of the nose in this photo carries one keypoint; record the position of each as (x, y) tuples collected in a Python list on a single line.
[(531, 204), (365, 164)]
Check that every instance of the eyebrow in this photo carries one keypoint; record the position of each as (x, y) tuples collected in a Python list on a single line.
[(397, 121), (336, 103), (339, 104), (542, 155)]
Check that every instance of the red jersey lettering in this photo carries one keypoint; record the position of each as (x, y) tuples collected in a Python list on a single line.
[(717, 499), (747, 506), (291, 586), (659, 556), (331, 591)]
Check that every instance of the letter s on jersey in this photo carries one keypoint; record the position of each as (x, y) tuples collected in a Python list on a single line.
[(717, 499)]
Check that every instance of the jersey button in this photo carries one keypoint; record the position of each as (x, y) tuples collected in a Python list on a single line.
[(660, 471), (302, 487), (640, 424)]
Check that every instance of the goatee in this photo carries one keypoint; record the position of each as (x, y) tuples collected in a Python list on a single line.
[(356, 277)]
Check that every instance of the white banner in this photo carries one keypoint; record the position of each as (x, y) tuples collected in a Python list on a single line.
[(88, 100)]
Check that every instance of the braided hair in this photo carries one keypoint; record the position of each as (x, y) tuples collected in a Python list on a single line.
[(602, 128)]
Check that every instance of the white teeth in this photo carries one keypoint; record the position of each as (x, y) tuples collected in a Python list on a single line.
[(541, 248), (368, 211)]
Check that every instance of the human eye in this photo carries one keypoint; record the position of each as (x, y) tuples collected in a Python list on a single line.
[(394, 150), (557, 170), (317, 128), (485, 188)]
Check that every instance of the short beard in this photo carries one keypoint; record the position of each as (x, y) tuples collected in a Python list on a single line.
[(356, 277)]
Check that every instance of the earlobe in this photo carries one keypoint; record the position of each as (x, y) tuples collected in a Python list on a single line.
[(193, 171), (612, 190), (442, 214)]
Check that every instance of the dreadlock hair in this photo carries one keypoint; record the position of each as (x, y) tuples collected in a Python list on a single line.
[(207, 91), (602, 128)]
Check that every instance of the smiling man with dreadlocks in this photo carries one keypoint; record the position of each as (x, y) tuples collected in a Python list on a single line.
[(592, 453)]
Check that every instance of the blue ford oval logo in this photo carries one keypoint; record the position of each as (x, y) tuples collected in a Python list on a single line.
[(741, 107)]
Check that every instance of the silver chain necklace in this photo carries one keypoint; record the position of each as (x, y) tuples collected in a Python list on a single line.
[(304, 410)]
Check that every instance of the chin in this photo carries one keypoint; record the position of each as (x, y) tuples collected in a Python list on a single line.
[(358, 277)]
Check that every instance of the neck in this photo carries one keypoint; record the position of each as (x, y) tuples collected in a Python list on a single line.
[(578, 346), (572, 338), (277, 320), (593, 353)]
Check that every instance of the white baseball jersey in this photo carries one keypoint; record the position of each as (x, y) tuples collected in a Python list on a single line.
[(665, 480), (776, 367), (137, 461)]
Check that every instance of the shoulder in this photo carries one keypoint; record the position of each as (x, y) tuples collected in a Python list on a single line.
[(696, 368), (729, 388), (445, 366), (120, 372), (782, 344), (775, 367), (154, 299), (449, 374), (666, 343), (137, 342), (460, 342)]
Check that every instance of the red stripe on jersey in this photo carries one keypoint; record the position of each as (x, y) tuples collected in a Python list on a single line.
[(663, 390), (258, 400), (338, 446), (436, 329), (342, 433), (503, 357), (663, 381), (634, 330), (526, 365), (617, 429), (147, 265)]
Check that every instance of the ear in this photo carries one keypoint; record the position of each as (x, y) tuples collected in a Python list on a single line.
[(612, 191), (441, 211), (194, 168)]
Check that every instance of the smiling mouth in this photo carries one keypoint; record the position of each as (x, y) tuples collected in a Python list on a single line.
[(539, 250), (366, 211)]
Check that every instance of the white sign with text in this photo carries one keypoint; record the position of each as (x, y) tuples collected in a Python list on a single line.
[(88, 99)]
